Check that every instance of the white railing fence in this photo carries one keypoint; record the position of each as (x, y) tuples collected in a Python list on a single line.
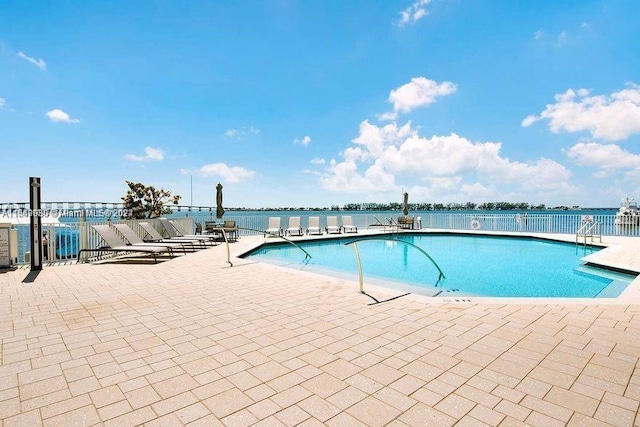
[(538, 223), (64, 241)]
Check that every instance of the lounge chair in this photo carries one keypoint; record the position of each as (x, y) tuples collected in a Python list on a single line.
[(116, 244), (314, 225), (274, 227), (184, 233), (332, 225), (294, 226), (155, 236), (173, 230), (133, 239), (347, 224)]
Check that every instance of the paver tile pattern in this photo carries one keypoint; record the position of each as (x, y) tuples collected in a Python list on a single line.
[(193, 341)]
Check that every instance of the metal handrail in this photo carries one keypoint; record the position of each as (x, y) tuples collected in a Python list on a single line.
[(307, 254), (359, 263), (588, 230)]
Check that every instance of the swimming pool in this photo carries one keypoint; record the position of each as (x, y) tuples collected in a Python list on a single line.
[(473, 265)]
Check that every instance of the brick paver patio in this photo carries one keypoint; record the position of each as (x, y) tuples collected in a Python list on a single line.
[(195, 342)]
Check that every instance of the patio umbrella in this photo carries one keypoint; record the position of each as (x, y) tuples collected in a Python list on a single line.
[(405, 209), (219, 208)]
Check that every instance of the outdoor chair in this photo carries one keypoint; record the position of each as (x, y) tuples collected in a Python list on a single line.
[(314, 225), (230, 227), (116, 245), (332, 225), (274, 227), (294, 226), (173, 230), (130, 236), (347, 224), (155, 236)]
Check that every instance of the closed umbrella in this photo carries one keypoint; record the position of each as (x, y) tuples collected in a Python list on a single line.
[(405, 209), (219, 208)]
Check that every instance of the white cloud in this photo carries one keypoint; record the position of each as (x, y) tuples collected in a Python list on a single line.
[(227, 173), (240, 134), (304, 141), (60, 116), (612, 118), (150, 153), (4, 106), (375, 139), (317, 161), (37, 62), (417, 93), (382, 157), (606, 158), (413, 13), (538, 35), (562, 38)]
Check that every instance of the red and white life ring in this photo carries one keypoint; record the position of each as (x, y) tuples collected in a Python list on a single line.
[(475, 224)]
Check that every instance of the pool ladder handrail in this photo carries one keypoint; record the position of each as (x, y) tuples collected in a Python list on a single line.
[(388, 239), (589, 229), (307, 255)]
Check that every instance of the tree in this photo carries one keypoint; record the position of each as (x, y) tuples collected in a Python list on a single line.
[(143, 201)]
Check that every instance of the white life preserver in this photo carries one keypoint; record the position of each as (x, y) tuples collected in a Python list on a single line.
[(475, 224)]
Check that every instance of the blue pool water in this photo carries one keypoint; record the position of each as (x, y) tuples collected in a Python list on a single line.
[(472, 265)]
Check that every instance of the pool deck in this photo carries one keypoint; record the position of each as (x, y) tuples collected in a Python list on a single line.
[(193, 341)]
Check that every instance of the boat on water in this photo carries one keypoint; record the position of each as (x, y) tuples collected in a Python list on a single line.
[(628, 213)]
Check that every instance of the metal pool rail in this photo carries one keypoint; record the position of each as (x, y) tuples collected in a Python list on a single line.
[(359, 262)]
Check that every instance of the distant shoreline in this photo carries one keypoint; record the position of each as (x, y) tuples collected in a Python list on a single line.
[(400, 210)]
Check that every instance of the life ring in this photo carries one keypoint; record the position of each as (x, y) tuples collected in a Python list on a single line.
[(475, 224)]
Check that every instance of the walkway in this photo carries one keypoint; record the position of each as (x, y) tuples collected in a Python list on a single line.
[(193, 341)]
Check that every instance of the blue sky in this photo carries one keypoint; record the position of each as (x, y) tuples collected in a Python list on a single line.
[(320, 103)]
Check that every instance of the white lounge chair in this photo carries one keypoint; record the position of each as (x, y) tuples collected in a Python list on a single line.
[(173, 230), (314, 225), (274, 227), (133, 239), (332, 225), (116, 244), (347, 224), (155, 236), (294, 226)]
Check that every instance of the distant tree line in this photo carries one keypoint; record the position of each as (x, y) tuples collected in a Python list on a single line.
[(469, 206), (395, 206)]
